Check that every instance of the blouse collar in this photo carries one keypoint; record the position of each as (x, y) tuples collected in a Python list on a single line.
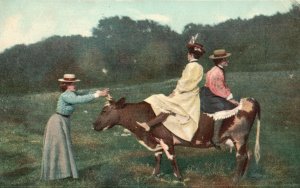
[(221, 67), (193, 60)]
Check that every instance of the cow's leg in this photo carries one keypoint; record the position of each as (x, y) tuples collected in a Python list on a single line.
[(174, 163), (156, 170), (241, 160), (170, 152)]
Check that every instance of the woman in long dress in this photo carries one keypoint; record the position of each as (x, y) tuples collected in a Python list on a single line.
[(58, 160), (180, 111)]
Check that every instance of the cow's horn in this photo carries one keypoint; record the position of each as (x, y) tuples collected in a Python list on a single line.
[(109, 97), (108, 100)]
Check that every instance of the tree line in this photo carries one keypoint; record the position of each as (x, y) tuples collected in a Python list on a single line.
[(122, 50)]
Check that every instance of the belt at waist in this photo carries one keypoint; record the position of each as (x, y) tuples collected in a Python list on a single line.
[(67, 116)]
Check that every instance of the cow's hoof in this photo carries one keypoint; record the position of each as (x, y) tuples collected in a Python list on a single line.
[(216, 145), (158, 175), (235, 180), (178, 177)]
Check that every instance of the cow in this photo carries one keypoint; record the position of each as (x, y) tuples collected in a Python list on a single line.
[(235, 131)]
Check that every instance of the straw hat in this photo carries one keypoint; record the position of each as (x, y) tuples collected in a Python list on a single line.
[(219, 54), (69, 78)]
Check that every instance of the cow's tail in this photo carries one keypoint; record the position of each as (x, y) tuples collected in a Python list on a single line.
[(257, 145)]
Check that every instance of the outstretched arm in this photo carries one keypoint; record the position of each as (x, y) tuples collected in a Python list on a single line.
[(72, 98)]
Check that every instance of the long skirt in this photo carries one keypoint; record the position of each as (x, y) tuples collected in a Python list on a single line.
[(58, 161), (210, 103)]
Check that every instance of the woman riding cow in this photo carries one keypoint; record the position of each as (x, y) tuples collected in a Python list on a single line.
[(180, 111), (216, 95)]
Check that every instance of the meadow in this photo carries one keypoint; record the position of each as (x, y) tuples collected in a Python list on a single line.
[(110, 159)]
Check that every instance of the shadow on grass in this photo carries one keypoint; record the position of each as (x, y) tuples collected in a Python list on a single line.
[(203, 167)]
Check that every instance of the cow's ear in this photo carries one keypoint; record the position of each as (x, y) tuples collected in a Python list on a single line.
[(112, 102), (120, 103)]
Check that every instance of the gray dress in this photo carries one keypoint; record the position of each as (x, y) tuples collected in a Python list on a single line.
[(58, 160)]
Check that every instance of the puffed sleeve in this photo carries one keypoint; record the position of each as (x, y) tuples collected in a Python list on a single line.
[(191, 76), (72, 98), (218, 85)]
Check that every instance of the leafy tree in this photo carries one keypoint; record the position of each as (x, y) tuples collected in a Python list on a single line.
[(133, 51)]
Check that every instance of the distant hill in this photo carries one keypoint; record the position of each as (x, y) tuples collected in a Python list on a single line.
[(137, 51)]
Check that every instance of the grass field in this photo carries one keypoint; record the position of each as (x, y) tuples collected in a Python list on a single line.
[(108, 159)]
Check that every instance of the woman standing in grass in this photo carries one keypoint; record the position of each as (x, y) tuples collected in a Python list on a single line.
[(58, 161)]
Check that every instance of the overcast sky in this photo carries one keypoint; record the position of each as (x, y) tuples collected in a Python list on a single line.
[(29, 21)]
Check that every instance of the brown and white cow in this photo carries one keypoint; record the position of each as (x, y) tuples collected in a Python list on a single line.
[(235, 130)]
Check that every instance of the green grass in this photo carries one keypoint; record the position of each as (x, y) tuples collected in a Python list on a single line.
[(107, 159)]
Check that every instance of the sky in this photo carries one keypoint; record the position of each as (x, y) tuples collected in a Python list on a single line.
[(30, 21)]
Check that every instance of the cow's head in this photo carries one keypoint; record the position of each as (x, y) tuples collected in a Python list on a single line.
[(109, 115)]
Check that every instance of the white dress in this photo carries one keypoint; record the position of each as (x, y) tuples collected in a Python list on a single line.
[(185, 103)]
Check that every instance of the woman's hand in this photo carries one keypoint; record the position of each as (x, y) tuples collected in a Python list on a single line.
[(102, 93), (234, 102), (172, 94)]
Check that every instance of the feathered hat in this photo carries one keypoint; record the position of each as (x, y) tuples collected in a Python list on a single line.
[(194, 47)]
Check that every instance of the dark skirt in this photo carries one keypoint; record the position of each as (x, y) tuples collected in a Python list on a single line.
[(211, 103)]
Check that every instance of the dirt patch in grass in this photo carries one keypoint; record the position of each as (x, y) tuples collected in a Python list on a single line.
[(140, 170), (132, 154), (86, 141), (18, 172), (196, 180), (13, 115), (275, 167), (26, 160)]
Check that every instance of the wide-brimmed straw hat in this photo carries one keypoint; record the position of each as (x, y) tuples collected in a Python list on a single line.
[(219, 54), (69, 78)]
